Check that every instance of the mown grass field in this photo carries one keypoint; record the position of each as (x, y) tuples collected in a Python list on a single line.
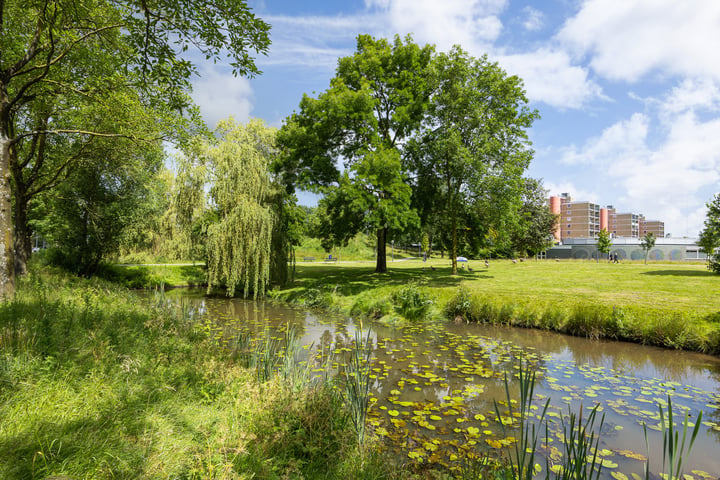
[(666, 287)]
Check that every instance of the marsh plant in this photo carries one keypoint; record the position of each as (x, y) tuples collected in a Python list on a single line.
[(356, 391), (411, 302), (675, 448), (579, 459), (528, 437)]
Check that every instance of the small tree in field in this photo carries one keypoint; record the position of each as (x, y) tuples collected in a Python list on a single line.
[(709, 239), (603, 243), (647, 243)]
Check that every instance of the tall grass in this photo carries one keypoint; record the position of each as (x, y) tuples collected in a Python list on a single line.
[(96, 383), (528, 438)]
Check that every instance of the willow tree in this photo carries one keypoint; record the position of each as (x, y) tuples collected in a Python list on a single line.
[(225, 192)]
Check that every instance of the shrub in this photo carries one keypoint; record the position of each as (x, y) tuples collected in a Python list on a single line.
[(411, 302), (460, 305)]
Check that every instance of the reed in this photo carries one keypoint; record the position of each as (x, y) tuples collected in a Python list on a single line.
[(528, 438), (357, 382), (675, 449), (580, 445)]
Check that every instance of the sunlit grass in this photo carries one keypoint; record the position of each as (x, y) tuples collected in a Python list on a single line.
[(96, 383)]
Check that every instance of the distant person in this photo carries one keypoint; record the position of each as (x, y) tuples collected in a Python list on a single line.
[(615, 258)]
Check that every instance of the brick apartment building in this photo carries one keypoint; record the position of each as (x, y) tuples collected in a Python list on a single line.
[(582, 219)]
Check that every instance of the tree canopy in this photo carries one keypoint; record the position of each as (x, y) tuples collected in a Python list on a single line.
[(64, 64), (403, 130), (348, 142), (226, 195)]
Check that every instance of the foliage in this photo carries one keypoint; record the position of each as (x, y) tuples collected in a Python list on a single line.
[(243, 221), (86, 217), (673, 452), (98, 383), (533, 232), (474, 149), (73, 71), (647, 242), (357, 382), (375, 101), (604, 243), (528, 438), (709, 239), (411, 302)]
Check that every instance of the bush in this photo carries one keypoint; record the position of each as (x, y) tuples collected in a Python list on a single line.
[(460, 305), (411, 302)]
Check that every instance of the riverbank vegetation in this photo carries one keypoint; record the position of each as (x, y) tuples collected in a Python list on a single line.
[(97, 383), (673, 306)]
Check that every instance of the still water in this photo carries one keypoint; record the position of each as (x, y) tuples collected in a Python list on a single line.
[(436, 385)]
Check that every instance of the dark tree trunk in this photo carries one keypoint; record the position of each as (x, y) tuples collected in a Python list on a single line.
[(381, 265), (23, 240)]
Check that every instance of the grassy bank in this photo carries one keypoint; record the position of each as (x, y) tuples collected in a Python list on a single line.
[(669, 305), (95, 384)]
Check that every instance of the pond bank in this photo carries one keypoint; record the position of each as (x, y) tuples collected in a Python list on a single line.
[(672, 306)]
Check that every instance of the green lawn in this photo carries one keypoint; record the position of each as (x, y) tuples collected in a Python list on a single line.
[(671, 287)]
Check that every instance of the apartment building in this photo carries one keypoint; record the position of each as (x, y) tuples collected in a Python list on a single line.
[(582, 219)]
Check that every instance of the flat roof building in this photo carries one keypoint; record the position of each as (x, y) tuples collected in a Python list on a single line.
[(582, 219)]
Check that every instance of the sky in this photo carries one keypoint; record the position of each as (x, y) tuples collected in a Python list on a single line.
[(628, 90)]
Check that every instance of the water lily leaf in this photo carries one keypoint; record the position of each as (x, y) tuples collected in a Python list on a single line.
[(702, 474), (631, 454)]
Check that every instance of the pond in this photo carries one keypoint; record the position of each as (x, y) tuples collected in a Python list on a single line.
[(435, 385)]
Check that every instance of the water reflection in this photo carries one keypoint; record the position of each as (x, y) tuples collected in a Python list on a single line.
[(437, 383)]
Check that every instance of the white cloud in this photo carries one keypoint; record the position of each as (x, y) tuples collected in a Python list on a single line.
[(473, 24), (618, 144), (549, 77), (534, 19), (692, 95), (627, 39), (663, 176), (221, 95), (316, 41), (575, 191)]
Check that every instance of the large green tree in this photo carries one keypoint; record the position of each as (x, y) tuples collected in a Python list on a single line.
[(347, 142), (66, 55), (474, 147), (85, 217)]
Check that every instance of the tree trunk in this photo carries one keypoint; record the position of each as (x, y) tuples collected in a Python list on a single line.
[(453, 254), (381, 265), (7, 263), (23, 241)]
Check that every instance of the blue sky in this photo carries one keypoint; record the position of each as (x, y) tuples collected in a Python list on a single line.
[(628, 90)]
